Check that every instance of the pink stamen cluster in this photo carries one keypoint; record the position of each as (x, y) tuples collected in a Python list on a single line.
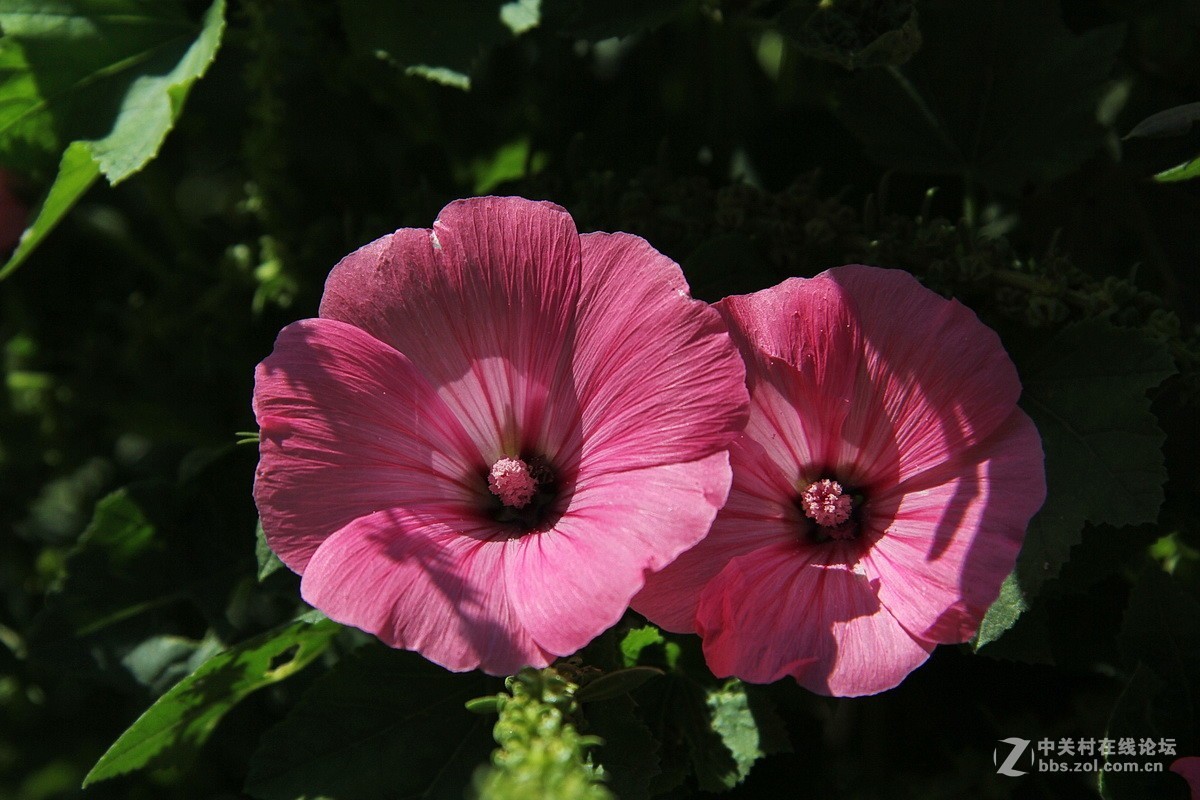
[(511, 481), (824, 503)]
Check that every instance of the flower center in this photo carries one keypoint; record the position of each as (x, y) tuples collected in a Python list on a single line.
[(512, 481), (826, 503), (525, 492)]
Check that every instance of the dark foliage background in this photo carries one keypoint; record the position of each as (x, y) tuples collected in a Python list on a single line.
[(978, 145)]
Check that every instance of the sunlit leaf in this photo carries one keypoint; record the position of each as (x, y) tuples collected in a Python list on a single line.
[(111, 77), (173, 729), (1188, 170)]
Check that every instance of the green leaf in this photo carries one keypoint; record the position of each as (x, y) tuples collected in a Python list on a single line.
[(173, 729), (1086, 391), (1186, 171), (111, 77), (1020, 109), (856, 34), (647, 645), (381, 724), (716, 733), (268, 562), (741, 733), (77, 172)]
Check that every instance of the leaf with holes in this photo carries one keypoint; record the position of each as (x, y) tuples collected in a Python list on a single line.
[(174, 728)]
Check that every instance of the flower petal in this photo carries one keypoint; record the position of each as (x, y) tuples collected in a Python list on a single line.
[(428, 581), (940, 376), (814, 407), (484, 306), (756, 515), (944, 541), (800, 610), (348, 427), (659, 380), (573, 581)]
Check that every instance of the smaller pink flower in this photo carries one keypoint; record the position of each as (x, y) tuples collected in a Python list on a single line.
[(493, 432), (1188, 768), (881, 488)]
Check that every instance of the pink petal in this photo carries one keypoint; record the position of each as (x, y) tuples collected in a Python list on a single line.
[(892, 378), (801, 610), (806, 367), (940, 377), (484, 306), (944, 541), (573, 581), (348, 427), (429, 581), (757, 514), (658, 379)]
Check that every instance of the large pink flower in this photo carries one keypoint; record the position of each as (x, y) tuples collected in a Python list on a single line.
[(494, 431), (881, 488)]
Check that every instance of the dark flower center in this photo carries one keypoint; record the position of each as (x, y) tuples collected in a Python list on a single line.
[(524, 489), (833, 508)]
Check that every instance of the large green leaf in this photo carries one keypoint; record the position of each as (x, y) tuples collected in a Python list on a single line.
[(1086, 391), (1001, 93), (108, 76), (381, 724), (181, 720)]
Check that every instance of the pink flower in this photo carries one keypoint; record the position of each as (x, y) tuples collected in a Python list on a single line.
[(881, 489), (1188, 768), (494, 431)]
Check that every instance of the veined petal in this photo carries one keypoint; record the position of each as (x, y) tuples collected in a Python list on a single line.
[(348, 427), (939, 376), (430, 581), (953, 533), (484, 305), (758, 513), (801, 610), (570, 583), (659, 380), (814, 409)]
